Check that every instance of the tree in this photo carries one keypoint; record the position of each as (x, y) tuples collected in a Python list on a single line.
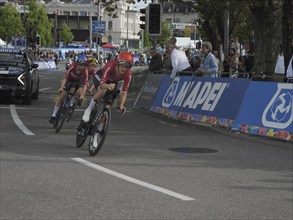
[(273, 31), (287, 30), (65, 34), (165, 34), (36, 21), (11, 23), (270, 21)]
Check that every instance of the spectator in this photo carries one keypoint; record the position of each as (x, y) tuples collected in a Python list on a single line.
[(235, 45), (196, 61), (220, 65), (179, 61), (209, 66), (61, 58), (249, 61), (156, 62), (233, 61), (167, 61), (173, 40)]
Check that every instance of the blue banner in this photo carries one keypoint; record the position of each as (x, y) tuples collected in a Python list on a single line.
[(216, 97), (267, 105)]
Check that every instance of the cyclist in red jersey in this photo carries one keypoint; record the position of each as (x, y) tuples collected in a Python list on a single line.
[(112, 73), (77, 74), (92, 66)]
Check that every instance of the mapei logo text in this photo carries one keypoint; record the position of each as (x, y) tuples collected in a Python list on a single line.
[(279, 112), (194, 94)]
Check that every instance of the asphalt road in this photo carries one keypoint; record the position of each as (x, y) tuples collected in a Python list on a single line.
[(138, 174)]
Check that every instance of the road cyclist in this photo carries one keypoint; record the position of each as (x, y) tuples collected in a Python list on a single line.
[(75, 80), (113, 72), (94, 76)]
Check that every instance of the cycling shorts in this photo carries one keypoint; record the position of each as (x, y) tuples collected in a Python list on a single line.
[(73, 83), (97, 78)]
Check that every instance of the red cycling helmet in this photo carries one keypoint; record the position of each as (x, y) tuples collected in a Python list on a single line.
[(125, 57)]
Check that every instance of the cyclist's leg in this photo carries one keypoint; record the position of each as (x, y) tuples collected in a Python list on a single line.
[(59, 101), (76, 90), (98, 95)]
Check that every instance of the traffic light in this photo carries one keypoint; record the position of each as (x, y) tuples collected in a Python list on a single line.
[(143, 18), (154, 19), (38, 40)]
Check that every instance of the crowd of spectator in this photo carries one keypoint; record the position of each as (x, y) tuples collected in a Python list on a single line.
[(203, 62), (173, 60)]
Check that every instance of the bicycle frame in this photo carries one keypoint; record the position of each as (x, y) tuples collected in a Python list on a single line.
[(85, 129), (63, 112)]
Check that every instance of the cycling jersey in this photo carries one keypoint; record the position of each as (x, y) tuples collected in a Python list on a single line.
[(73, 75), (92, 72), (109, 76)]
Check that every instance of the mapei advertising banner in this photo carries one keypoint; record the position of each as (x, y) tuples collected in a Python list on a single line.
[(267, 109), (205, 96)]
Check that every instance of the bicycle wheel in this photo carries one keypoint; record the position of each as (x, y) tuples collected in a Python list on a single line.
[(99, 133), (84, 129), (82, 133), (62, 114), (71, 111)]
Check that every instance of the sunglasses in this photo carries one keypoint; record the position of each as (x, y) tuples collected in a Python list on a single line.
[(126, 65)]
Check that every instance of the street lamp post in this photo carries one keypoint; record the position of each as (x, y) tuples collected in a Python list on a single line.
[(56, 26), (127, 26), (23, 7), (91, 25)]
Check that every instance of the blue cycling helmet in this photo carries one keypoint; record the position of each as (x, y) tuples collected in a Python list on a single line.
[(82, 62)]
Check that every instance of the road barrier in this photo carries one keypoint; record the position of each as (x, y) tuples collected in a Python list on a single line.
[(261, 108), (45, 64), (267, 110)]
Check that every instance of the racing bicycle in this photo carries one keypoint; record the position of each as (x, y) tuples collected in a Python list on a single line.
[(66, 110), (98, 124)]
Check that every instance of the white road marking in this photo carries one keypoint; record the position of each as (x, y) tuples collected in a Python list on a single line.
[(18, 122), (45, 88), (132, 180)]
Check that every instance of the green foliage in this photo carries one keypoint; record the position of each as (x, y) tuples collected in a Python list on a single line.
[(211, 19), (36, 21), (11, 23), (165, 34), (65, 34), (146, 40)]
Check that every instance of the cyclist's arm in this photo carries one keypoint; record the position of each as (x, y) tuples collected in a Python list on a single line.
[(85, 84), (123, 96), (83, 91), (105, 86), (91, 87), (63, 82)]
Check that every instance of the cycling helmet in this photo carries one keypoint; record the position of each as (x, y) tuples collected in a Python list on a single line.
[(81, 62), (125, 58), (92, 62)]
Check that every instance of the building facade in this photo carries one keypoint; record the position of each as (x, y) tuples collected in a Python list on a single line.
[(123, 30)]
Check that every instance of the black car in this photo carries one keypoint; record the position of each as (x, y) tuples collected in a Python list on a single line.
[(19, 77)]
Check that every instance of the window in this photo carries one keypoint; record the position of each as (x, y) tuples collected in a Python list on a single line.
[(110, 25)]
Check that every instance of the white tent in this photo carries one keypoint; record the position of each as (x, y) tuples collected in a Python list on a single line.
[(2, 43)]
